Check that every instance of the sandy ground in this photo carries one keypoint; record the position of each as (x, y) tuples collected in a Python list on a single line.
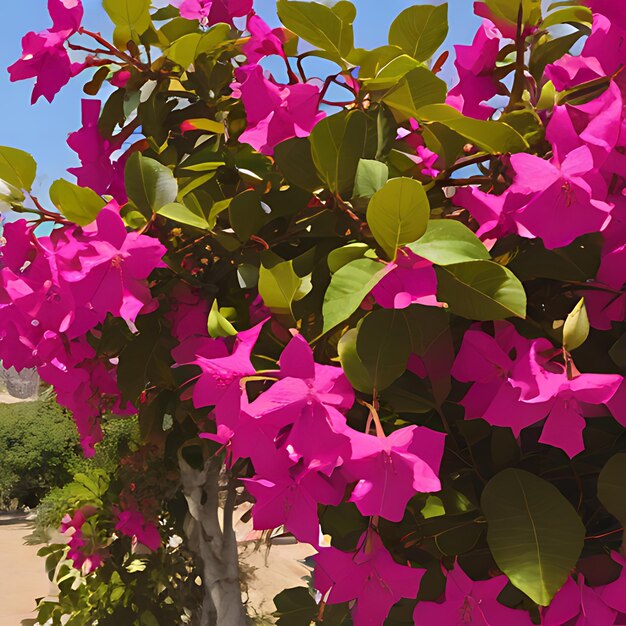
[(22, 575)]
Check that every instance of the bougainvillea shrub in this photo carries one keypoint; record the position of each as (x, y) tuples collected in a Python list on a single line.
[(387, 312)]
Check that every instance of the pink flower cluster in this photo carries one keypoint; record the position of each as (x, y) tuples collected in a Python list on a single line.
[(305, 454), (578, 181), (83, 551), (97, 171), (55, 290), (44, 56), (519, 382)]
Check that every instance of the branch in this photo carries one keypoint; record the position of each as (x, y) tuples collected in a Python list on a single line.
[(520, 65)]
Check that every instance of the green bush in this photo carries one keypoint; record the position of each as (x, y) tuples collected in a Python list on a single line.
[(38, 450)]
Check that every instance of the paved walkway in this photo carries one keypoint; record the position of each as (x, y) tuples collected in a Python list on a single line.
[(22, 572)]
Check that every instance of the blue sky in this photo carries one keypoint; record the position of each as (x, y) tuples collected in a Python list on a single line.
[(42, 129)]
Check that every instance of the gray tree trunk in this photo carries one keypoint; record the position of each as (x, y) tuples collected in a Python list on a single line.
[(215, 544)]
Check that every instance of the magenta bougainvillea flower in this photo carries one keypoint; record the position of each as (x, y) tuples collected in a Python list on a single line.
[(486, 361), (44, 56), (133, 524), (109, 274), (97, 171), (209, 12), (275, 112), (576, 603), (475, 65), (290, 499), (219, 373), (390, 470), (575, 207), (410, 279), (264, 41), (81, 552), (497, 216), (470, 602), (369, 576)]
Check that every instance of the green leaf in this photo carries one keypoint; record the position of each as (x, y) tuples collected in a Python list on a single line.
[(534, 533), (576, 328), (339, 257), (183, 215), (131, 18), (17, 168), (420, 30), (508, 10), (295, 607), (351, 363), (398, 214), (348, 287), (447, 241), (80, 205), (188, 48), (417, 89), (218, 325), (390, 73), (247, 214), (370, 177), (383, 345), (612, 487), (295, 162), (576, 14), (328, 29), (149, 184), (280, 287), (337, 145), (481, 290), (491, 136)]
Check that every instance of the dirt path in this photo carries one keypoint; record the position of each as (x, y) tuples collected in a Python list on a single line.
[(22, 574)]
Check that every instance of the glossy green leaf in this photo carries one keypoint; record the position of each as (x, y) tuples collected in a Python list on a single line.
[(534, 533), (352, 364), (490, 136), (447, 241), (390, 73), (481, 290), (247, 213), (149, 184), (348, 287), (612, 487), (17, 168), (339, 257), (295, 162), (420, 30), (337, 145), (508, 10), (383, 345), (280, 287), (576, 327), (398, 214), (328, 29), (183, 215), (188, 48), (80, 205), (576, 14), (419, 88), (131, 18), (370, 177)]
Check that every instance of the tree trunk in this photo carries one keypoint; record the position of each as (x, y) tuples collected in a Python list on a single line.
[(214, 544)]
